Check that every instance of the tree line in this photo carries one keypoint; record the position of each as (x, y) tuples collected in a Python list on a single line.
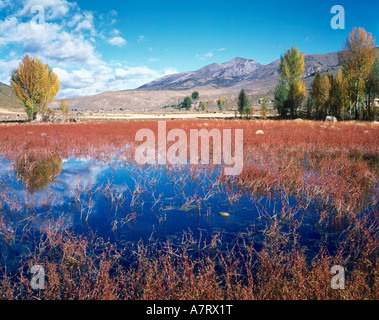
[(350, 94)]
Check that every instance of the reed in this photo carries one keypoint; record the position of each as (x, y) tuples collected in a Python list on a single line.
[(298, 173)]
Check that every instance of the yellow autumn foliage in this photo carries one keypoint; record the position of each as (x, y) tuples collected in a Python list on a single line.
[(37, 174), (291, 72), (35, 84), (357, 59)]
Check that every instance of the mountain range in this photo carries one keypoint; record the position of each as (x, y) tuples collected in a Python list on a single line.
[(212, 81), (240, 73)]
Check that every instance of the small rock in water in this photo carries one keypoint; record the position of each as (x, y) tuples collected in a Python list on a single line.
[(224, 214), (259, 132)]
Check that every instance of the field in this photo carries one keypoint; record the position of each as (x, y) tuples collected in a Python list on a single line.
[(74, 201)]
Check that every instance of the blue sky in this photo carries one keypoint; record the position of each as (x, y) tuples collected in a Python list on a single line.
[(96, 46)]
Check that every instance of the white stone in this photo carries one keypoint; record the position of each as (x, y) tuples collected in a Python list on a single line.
[(331, 118), (224, 214)]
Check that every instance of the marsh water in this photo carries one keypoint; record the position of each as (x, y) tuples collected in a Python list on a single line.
[(125, 203)]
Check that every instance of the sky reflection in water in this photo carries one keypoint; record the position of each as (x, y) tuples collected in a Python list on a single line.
[(163, 208)]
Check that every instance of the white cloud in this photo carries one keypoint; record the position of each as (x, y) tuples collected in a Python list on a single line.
[(53, 9), (117, 41), (77, 79), (86, 23), (4, 3), (116, 32), (5, 69), (26, 34), (141, 38), (49, 42), (136, 73), (308, 39), (168, 71), (109, 18), (153, 60), (75, 19), (84, 82), (67, 42), (204, 56)]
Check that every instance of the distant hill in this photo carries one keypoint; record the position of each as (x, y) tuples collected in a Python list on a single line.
[(8, 99), (212, 81), (240, 73), (214, 75)]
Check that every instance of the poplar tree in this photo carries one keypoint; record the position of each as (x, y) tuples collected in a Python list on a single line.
[(339, 99), (372, 89), (64, 108), (320, 95), (203, 105), (264, 107), (220, 103), (357, 59), (281, 98), (325, 87), (243, 103), (35, 84), (315, 95), (291, 72)]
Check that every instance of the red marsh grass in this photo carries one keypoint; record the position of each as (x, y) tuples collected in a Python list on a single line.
[(331, 169)]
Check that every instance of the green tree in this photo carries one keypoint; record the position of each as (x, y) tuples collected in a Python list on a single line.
[(292, 71), (64, 108), (264, 106), (338, 96), (35, 84), (195, 95), (220, 103), (357, 59), (309, 107), (243, 103), (187, 103), (372, 89), (203, 106), (281, 98), (320, 94), (325, 87)]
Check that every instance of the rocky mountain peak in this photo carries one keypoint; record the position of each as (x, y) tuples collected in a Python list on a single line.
[(239, 72)]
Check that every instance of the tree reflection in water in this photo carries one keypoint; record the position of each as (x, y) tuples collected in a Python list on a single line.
[(37, 174)]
